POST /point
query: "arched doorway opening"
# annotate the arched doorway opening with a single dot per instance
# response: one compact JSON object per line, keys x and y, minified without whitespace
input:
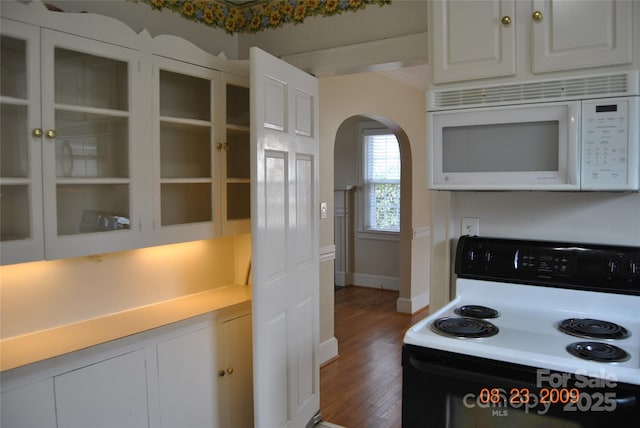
{"x":379,"y":260}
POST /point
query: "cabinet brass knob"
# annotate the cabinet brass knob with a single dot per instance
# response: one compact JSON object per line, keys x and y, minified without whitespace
{"x":225,"y":146}
{"x":218,"y":146}
{"x":537,"y":15}
{"x":37,"y":132}
{"x":230,"y":370}
{"x":51,"y":134}
{"x":221,"y":373}
{"x":506,"y":20}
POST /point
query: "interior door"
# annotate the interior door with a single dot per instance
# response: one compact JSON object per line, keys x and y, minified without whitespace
{"x":284,"y":228}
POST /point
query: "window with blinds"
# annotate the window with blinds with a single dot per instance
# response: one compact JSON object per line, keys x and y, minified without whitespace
{"x":381,"y":181}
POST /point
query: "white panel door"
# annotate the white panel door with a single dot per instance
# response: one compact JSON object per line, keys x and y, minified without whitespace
{"x":284,"y":227}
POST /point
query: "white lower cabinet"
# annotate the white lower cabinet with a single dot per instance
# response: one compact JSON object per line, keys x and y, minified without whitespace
{"x":187,"y":384}
{"x":111,"y":393}
{"x":192,"y":374}
{"x":29,"y":406}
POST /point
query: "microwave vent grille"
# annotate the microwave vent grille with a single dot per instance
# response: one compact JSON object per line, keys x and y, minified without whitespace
{"x":536,"y":91}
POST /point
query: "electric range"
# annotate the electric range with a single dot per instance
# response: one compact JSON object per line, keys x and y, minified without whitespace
{"x":539,"y":334}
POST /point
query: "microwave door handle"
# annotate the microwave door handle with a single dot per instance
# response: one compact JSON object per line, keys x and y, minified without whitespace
{"x":573,"y":154}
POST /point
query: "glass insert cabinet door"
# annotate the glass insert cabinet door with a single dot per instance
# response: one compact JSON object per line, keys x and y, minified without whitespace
{"x":236,"y":148}
{"x":185,"y":132}
{"x":21,"y":230}
{"x":88,"y":116}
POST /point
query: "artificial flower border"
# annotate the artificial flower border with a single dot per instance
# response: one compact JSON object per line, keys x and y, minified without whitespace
{"x":257,"y":15}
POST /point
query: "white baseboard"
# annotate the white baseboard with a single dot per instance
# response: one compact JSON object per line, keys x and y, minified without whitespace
{"x":328,"y":350}
{"x":410,"y":306}
{"x":376,"y":281}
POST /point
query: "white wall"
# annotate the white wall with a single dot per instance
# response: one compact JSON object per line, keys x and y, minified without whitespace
{"x":598,"y":217}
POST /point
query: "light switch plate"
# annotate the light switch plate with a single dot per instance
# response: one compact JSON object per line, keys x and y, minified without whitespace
{"x":323,"y":210}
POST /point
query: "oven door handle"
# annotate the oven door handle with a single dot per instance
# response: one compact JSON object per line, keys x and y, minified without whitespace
{"x":628,"y":401}
{"x":442,"y":370}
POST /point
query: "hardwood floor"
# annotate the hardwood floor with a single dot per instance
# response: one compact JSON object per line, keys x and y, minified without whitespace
{"x":362,"y":387}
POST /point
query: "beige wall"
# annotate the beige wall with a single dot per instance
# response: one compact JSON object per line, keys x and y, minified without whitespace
{"x":391,"y":102}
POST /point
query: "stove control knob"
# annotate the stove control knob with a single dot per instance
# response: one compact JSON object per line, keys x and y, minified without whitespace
{"x":612,"y":266}
{"x":488,"y":256}
{"x":472,"y":255}
{"x":633,"y":267}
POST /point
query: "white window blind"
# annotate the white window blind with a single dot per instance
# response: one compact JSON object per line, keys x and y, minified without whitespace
{"x":382,"y":181}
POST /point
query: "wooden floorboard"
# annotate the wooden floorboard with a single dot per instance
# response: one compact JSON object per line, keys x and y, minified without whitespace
{"x":362,"y":388}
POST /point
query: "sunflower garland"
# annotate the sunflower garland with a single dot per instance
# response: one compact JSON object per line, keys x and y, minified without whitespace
{"x":256,"y":15}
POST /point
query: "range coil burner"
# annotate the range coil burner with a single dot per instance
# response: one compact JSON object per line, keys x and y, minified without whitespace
{"x":476,"y":311}
{"x":464,"y":327}
{"x":598,"y":351}
{"x":593,"y":329}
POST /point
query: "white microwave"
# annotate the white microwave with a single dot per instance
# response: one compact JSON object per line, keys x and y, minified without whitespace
{"x":571,"y":145}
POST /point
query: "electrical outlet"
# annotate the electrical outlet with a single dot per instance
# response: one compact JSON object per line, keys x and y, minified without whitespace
{"x":470,"y":226}
{"x":323,"y":210}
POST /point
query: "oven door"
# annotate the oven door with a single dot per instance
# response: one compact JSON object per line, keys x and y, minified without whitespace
{"x":445,"y":390}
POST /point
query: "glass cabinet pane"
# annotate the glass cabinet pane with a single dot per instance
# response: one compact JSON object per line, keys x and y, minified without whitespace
{"x":15,"y":212}
{"x":13,"y":57}
{"x":184,"y":96}
{"x":91,"y":145}
{"x":184,"y":203}
{"x":87,"y":208}
{"x":238,"y":105}
{"x":91,"y":81}
{"x":185,"y":151}
{"x":14,"y":141}
{"x":238,"y":201}
{"x":238,"y":154}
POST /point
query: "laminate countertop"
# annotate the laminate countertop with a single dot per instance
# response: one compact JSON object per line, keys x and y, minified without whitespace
{"x":40,"y":345}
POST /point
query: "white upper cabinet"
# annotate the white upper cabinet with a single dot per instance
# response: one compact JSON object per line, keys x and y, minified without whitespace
{"x":68,"y":168}
{"x":579,"y":34}
{"x":472,"y":39}
{"x":113,"y":140}
{"x":482,"y":39}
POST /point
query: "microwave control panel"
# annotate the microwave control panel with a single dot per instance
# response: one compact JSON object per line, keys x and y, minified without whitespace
{"x":608,"y":141}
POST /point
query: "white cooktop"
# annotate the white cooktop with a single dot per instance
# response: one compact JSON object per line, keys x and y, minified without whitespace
{"x":528,"y":332}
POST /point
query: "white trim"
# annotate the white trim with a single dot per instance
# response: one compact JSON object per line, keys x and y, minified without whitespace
{"x":379,"y":235}
{"x":328,"y":350}
{"x":376,"y":281}
{"x":327,"y":253}
{"x":414,"y":304}
{"x":421,"y":232}
{"x":375,"y":55}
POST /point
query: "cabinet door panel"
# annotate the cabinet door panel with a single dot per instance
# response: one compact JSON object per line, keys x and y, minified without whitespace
{"x":236,"y":348}
{"x":187,"y":379}
{"x":111,"y":393}
{"x":185,"y":160}
{"x":580,"y":34}
{"x":21,"y":229}
{"x":469,"y":40}
{"x":93,"y":174}
{"x":29,"y":406}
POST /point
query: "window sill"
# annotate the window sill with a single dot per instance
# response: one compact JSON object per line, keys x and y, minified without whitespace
{"x":378,"y":235}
